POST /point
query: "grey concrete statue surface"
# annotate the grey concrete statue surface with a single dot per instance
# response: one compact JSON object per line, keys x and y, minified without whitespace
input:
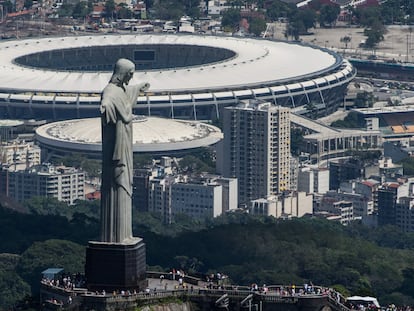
{"x":117,"y":100}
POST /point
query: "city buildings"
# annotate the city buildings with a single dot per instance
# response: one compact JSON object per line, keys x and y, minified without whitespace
{"x":313,"y":179}
{"x":256,"y":149}
{"x":162,"y":190}
{"x":295,"y":204}
{"x":200,"y":197}
{"x":20,"y":154}
{"x":63,"y":183}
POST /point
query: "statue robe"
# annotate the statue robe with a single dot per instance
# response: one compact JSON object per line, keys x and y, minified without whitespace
{"x":117,"y":162}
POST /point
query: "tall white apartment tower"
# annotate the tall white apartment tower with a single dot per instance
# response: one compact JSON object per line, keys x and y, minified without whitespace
{"x":256,"y":149}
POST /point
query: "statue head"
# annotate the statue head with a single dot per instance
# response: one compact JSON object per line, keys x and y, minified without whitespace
{"x":123,"y":71}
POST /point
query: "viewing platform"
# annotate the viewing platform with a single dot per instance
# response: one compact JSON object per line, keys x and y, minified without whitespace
{"x":165,"y":288}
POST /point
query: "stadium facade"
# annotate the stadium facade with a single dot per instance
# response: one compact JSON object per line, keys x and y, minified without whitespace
{"x":191,"y":77}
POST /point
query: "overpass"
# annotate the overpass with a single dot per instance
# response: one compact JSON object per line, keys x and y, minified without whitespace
{"x":324,"y":142}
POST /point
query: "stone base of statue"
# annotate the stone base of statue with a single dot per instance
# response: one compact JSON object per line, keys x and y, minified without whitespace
{"x":116,"y":266}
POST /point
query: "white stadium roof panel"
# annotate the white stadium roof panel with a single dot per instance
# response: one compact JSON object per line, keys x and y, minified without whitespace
{"x":255,"y":62}
{"x":242,"y":92}
{"x":150,"y":134}
{"x":203,"y":96}
{"x":263,"y":90}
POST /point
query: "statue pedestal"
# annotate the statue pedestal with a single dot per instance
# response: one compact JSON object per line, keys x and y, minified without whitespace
{"x":116,"y":266}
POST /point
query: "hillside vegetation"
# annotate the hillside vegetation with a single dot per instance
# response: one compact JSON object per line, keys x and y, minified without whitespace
{"x":355,"y":260}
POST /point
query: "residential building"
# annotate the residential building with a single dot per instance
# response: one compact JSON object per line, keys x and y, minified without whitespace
{"x":404,"y":214}
{"x":198,"y":201}
{"x":256,"y":149}
{"x":198,"y":197}
{"x":345,"y":210}
{"x":387,"y":196}
{"x":362,"y":206}
{"x":288,"y":205}
{"x":63,"y":183}
{"x":344,"y":170}
{"x":313,"y":179}
{"x":20,"y":154}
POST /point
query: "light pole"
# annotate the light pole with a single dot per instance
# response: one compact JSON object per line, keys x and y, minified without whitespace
{"x":406,"y":55}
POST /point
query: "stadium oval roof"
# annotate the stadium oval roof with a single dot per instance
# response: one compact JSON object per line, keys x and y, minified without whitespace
{"x":150,"y":134}
{"x":257,"y":62}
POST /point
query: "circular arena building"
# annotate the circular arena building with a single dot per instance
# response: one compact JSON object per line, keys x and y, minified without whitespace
{"x":150,"y":135}
{"x":191,"y":77}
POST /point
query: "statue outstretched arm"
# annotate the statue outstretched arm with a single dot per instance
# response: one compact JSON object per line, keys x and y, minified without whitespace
{"x":134,"y":90}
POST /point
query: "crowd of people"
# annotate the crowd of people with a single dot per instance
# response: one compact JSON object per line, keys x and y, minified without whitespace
{"x":176,"y":280}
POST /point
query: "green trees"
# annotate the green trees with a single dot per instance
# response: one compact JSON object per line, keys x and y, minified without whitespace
{"x":355,"y":259}
{"x":230,"y":19}
{"x":257,"y":26}
{"x":328,"y":15}
{"x":124,"y":11}
{"x":109,"y":8}
{"x":371,"y":19}
{"x":173,"y":10}
{"x":350,"y":121}
{"x":278,"y":9}
{"x":12,"y":287}
{"x":81,"y":9}
{"x":91,"y":166}
{"x":345,"y":40}
{"x":364,"y":100}
{"x":198,"y":161}
{"x":374,"y":34}
{"x":299,"y":22}
{"x":50,"y":254}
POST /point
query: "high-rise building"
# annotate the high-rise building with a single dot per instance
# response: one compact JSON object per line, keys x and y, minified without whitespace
{"x":256,"y":149}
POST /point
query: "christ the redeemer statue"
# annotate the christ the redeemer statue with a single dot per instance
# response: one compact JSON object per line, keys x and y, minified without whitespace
{"x":117,"y":161}
{"x":118,"y":260}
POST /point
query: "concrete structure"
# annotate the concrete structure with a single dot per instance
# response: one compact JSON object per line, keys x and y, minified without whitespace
{"x":345,"y":210}
{"x":389,"y":169}
{"x":394,"y":122}
{"x":404,"y":214}
{"x":215,"y":7}
{"x":199,"y":198}
{"x":313,"y":179}
{"x":150,"y":135}
{"x":325,"y":142}
{"x":20,"y":154}
{"x":296,"y":204}
{"x":343,"y":170}
{"x":386,"y":201}
{"x":199,"y":201}
{"x":256,"y":149}
{"x":362,"y":207}
{"x":63,"y":183}
{"x":191,"y":76}
{"x":8,"y":129}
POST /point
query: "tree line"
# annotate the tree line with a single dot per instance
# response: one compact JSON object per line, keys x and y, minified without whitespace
{"x":355,"y":260}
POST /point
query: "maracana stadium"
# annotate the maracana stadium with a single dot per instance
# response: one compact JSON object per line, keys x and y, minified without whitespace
{"x":192,"y":77}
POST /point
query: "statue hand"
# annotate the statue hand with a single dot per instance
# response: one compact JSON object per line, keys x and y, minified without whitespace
{"x":145,"y":87}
